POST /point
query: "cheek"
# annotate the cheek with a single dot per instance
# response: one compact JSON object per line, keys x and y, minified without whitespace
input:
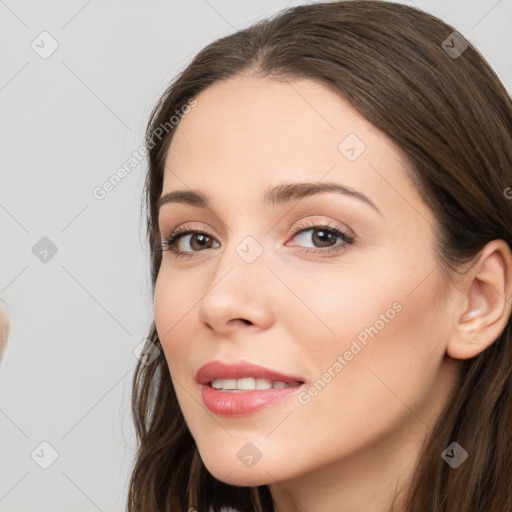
{"x":175,"y":295}
{"x":164,"y":306}
{"x":172,"y":304}
{"x":379,"y":365}
{"x":385,"y":326}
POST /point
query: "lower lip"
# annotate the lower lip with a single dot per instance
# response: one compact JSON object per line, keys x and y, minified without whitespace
{"x":227,"y":403}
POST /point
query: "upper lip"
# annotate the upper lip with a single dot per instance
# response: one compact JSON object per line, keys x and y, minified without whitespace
{"x":220,"y":370}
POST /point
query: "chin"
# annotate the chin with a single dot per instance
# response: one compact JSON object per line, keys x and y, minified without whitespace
{"x":241,"y":477}
{"x":233,"y":472}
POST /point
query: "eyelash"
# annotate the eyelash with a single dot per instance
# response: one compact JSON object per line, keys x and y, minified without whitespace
{"x":174,"y":237}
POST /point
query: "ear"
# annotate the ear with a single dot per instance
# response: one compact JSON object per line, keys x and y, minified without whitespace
{"x":486,"y":296}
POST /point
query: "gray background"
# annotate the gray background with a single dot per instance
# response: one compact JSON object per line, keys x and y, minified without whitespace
{"x":68,"y":122}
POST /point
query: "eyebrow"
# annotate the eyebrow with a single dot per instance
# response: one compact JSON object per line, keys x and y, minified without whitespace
{"x":275,"y":195}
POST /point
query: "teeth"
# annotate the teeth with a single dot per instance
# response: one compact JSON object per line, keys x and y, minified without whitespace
{"x":249,"y":384}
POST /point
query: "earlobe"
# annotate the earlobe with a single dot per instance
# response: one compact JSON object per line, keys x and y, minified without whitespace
{"x":486,"y":291}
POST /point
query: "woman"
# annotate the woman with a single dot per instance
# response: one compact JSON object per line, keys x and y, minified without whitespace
{"x":330,"y":236}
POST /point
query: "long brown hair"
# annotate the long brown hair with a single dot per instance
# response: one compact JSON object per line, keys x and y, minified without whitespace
{"x":452,"y":118}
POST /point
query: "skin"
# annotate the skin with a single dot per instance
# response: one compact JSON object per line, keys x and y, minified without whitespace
{"x":356,"y":442}
{"x":4,"y":329}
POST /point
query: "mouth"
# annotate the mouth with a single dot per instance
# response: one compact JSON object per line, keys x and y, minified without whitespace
{"x":250,"y":384}
{"x":244,"y":388}
{"x":243,"y":376}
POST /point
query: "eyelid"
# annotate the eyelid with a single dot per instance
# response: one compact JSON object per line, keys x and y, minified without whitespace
{"x":303,"y":225}
{"x":184,"y":228}
{"x":321,"y":224}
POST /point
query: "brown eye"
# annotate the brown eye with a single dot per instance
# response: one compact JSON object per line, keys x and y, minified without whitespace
{"x":323,"y":238}
{"x":319,"y":237}
{"x":198,"y":241}
{"x":177,"y":242}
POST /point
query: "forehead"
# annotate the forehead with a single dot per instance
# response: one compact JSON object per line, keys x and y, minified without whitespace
{"x":253,"y":115}
{"x":263,"y":131}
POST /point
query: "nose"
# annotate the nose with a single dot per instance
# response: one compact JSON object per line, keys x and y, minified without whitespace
{"x":239,"y":295}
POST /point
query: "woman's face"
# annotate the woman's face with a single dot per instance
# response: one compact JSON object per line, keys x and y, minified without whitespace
{"x":360,"y":321}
